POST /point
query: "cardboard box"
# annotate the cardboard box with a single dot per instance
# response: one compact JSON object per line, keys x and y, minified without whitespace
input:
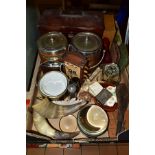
{"x":33,"y":136}
{"x":110,"y":30}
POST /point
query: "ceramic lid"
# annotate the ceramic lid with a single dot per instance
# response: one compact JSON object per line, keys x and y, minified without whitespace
{"x":86,"y":41}
{"x":52,"y":42}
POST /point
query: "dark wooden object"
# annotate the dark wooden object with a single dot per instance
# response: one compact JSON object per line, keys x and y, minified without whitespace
{"x":75,"y":65}
{"x":122,"y":93}
{"x":71,"y":22}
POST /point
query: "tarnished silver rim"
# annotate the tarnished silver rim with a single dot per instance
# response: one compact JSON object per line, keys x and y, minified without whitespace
{"x":50,"y":96}
{"x":84,"y":130}
{"x":88,"y":34}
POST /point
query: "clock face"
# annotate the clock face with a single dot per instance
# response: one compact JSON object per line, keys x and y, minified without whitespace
{"x":72,"y":70}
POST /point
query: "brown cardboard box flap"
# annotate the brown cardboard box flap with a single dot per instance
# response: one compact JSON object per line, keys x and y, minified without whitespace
{"x":109,"y":22}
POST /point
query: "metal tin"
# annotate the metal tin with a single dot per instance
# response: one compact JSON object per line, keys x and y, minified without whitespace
{"x":84,"y":125}
{"x":52,"y":46}
{"x":90,"y":45}
{"x":48,"y":80}
{"x":51,"y":66}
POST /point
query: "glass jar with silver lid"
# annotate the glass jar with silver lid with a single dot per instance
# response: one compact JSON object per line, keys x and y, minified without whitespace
{"x":90,"y":45}
{"x":52,"y":46}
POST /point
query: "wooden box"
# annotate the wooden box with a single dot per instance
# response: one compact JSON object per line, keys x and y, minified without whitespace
{"x":70,"y":23}
{"x":108,"y":136}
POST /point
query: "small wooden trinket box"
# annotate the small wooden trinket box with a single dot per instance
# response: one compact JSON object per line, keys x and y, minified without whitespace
{"x":75,"y":65}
